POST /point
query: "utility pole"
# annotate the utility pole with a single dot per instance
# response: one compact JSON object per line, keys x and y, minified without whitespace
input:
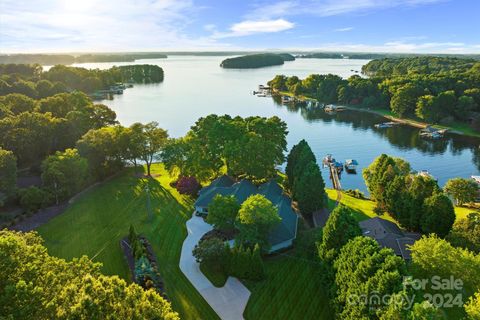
{"x":149,"y":206}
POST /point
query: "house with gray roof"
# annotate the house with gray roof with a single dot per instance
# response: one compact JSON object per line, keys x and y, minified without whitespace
{"x":283,"y":234}
{"x":389,"y":235}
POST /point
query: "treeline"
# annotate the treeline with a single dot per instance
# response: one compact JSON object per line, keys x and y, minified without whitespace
{"x":246,"y":147}
{"x":331,"y":55}
{"x":437,"y":90}
{"x":258,"y":60}
{"x":36,"y":285}
{"x":369,"y":56}
{"x":367,"y":281}
{"x":33,"y":82}
{"x":127,"y":57}
{"x":66,"y":59}
{"x":414,"y":200}
{"x":67,"y":140}
{"x":388,"y":67}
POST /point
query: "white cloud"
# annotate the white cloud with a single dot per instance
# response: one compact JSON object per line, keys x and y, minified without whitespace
{"x":343,"y":29}
{"x":338,"y":7}
{"x":326,"y":8}
{"x":398,"y":47}
{"x":249,"y":27}
{"x":89,"y":25}
{"x":278,"y":9}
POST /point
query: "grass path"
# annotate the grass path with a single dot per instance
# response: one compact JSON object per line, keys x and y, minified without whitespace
{"x":94,"y":225}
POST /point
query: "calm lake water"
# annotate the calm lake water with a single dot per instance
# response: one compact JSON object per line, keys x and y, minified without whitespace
{"x":196,"y":86}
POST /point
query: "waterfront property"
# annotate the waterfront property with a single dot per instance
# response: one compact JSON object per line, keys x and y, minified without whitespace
{"x":283,"y":234}
{"x":389,"y":235}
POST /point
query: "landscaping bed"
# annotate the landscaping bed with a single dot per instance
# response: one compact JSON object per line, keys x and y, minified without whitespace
{"x":142,"y":262}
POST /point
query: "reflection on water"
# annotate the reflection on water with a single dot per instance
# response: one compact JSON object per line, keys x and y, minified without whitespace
{"x":402,"y":137}
{"x":196,"y":86}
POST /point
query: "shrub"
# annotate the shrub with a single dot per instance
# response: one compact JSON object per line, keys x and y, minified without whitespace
{"x":245,"y":263}
{"x":355,"y":193}
{"x":33,"y":198}
{"x":144,"y":272}
{"x":211,"y":251}
{"x":188,"y":185}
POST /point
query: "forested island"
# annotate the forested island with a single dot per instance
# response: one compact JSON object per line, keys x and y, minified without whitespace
{"x":32,"y":81}
{"x":66,"y":59}
{"x":258,"y":60}
{"x":438,"y":90}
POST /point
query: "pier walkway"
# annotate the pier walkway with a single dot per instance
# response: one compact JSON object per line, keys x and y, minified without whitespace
{"x":320,"y":217}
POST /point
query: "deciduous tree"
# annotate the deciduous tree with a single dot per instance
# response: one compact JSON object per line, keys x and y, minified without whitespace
{"x":256,"y":218}
{"x":462,"y":190}
{"x":223,"y":211}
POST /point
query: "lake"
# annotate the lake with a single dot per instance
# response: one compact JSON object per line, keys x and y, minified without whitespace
{"x":196,"y":86}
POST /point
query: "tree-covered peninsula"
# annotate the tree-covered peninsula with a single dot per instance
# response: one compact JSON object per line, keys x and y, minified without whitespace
{"x":258,"y":60}
{"x":31,"y":80}
{"x":437,"y":90}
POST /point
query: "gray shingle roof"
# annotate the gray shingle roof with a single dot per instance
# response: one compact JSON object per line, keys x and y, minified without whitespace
{"x":389,"y":235}
{"x":284,"y":231}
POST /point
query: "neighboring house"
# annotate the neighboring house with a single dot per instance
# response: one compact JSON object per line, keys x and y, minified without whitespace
{"x":389,"y":235}
{"x":283,"y":234}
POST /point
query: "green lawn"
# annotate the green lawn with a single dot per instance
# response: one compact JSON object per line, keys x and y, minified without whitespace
{"x":95,"y":224}
{"x":363,"y":209}
{"x":292,"y":288}
{"x":462,"y":212}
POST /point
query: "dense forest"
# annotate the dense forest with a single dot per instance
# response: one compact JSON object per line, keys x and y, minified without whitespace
{"x":256,"y":61}
{"x":369,"y":56}
{"x":51,"y":129}
{"x":66,"y":59}
{"x":440,"y":90}
{"x":32,"y":81}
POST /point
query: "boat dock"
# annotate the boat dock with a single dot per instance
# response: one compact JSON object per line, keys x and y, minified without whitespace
{"x":335,"y":169}
{"x":432,"y":133}
{"x":334,"y":175}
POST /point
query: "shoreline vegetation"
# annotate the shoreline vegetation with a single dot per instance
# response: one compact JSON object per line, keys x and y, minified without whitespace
{"x":253,"y":61}
{"x":459,"y":128}
{"x":441,"y":92}
{"x":67,"y":59}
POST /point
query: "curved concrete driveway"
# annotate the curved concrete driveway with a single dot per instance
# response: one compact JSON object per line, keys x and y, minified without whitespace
{"x":228,"y":302}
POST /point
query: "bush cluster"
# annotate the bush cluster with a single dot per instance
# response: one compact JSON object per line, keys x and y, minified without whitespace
{"x":146,"y":270}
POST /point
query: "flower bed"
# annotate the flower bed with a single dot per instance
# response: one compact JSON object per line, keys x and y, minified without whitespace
{"x":142,"y":262}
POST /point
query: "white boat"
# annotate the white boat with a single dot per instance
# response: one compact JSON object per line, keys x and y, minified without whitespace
{"x":328,"y":159}
{"x":286,"y":99}
{"x":351,"y":164}
{"x":384,"y":125}
{"x":330,"y":108}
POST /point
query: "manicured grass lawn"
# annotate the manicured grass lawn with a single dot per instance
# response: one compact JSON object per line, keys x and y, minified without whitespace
{"x":292,"y":288}
{"x":363,"y":209}
{"x":217,"y":278}
{"x":95,"y":224}
{"x":462,"y":212}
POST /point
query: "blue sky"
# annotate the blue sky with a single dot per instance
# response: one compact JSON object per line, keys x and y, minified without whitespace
{"x":424,"y":26}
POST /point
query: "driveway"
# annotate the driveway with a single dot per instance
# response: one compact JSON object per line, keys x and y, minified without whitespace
{"x":228,"y":302}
